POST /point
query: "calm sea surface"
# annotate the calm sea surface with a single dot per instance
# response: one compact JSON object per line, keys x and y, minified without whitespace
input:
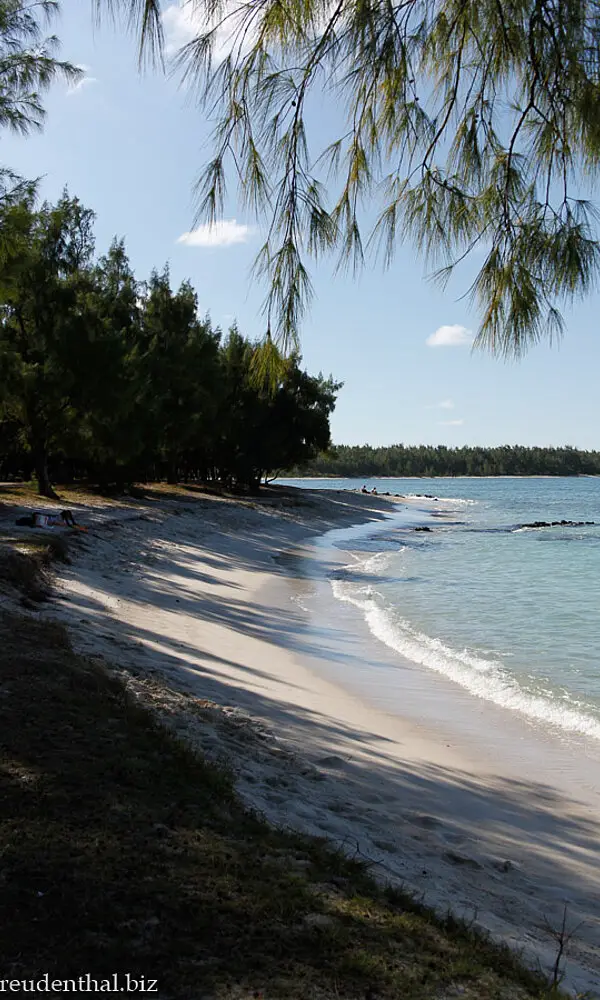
{"x":510,"y":614}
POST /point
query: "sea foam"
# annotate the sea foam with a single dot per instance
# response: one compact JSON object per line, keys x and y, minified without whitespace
{"x":484,"y":678}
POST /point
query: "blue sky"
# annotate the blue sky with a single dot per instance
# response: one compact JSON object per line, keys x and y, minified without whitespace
{"x":130,"y":146}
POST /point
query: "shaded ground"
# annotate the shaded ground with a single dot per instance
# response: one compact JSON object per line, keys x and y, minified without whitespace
{"x":121,"y":851}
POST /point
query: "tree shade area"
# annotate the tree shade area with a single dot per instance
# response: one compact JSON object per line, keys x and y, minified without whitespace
{"x":107,"y":378}
{"x":360,"y":461}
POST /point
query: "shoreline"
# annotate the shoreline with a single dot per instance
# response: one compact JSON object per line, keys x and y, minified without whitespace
{"x":202,"y":604}
{"x":344,"y":479}
{"x":580,"y":730}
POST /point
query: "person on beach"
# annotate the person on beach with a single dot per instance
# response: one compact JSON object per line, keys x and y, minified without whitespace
{"x":39,"y":520}
{"x":63,"y":520}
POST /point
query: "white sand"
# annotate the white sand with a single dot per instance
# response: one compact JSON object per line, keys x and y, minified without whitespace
{"x":195,"y":601}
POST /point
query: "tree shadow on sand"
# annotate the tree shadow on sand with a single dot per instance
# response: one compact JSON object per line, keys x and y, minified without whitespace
{"x":514,"y":850}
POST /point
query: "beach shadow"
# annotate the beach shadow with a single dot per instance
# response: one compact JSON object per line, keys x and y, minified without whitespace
{"x":514,"y":850}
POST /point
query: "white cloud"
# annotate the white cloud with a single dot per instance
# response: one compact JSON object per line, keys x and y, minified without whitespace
{"x":184,"y":21}
{"x":451,"y":423}
{"x":85,"y":81}
{"x":450,"y":336}
{"x":181,"y":24}
{"x":446,"y":404}
{"x":222,"y":234}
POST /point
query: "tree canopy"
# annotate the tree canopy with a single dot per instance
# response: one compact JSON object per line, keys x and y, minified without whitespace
{"x":469,"y":124}
{"x":365,"y":461}
{"x":109,"y":378}
{"x":28,"y":67}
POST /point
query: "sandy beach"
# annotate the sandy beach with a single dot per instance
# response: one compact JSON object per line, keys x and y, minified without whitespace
{"x":199,"y":602}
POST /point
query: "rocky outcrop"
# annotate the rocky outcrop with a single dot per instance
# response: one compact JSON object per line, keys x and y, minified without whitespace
{"x":556,"y":524}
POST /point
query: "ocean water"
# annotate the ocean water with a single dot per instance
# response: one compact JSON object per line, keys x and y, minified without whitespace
{"x":510,"y":614}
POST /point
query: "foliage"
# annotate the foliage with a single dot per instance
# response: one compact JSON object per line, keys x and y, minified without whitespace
{"x":28,"y":66}
{"x":106,"y":377}
{"x":271,"y":425}
{"x":400,"y":460}
{"x":178,"y":365}
{"x":47,"y":343}
{"x":470,"y":123}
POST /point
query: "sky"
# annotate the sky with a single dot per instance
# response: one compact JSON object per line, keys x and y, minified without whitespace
{"x":130,"y":145}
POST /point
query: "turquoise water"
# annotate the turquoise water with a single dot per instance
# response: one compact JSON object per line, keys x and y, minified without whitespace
{"x":510,"y":614}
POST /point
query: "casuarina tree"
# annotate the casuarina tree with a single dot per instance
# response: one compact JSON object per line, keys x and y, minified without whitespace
{"x":46,"y":325}
{"x":28,"y":66}
{"x":469,"y":124}
{"x":178,"y":369}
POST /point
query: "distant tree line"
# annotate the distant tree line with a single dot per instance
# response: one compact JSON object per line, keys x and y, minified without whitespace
{"x":109,"y":378}
{"x":363,"y":461}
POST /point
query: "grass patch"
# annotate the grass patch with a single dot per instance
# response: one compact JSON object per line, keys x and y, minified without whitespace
{"x":19,"y":493}
{"x":25,"y":561}
{"x":122,"y":851}
{"x":91,"y":494}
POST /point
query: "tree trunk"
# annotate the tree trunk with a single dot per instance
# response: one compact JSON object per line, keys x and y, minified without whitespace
{"x":40,"y":458}
{"x":172,"y":473}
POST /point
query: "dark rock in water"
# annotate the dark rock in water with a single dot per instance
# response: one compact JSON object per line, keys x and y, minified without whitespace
{"x":558,"y":524}
{"x":423,"y":529}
